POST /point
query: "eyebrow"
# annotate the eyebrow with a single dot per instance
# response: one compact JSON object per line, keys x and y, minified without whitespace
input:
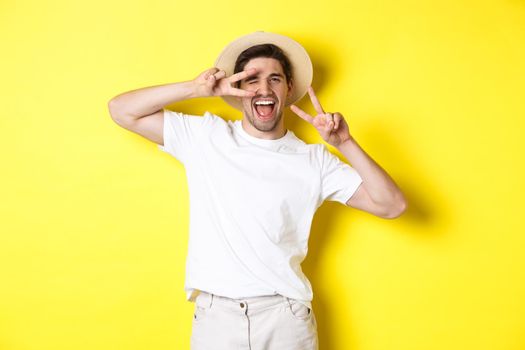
{"x":270,"y":76}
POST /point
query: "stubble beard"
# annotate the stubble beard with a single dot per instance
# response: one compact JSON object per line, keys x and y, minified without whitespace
{"x":263,"y":126}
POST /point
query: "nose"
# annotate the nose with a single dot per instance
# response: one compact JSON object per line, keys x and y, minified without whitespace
{"x":264,"y":88}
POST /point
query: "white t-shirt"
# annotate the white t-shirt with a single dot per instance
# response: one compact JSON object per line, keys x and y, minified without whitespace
{"x":252,"y":202}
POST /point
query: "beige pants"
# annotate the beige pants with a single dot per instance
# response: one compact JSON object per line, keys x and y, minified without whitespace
{"x":259,"y":323}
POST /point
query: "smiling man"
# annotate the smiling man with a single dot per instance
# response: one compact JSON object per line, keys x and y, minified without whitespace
{"x":254,"y":189}
{"x":263,"y":114}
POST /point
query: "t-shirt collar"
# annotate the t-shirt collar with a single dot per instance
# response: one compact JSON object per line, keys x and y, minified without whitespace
{"x":259,"y":141}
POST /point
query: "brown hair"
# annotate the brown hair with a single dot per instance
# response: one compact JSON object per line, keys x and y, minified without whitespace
{"x":263,"y":50}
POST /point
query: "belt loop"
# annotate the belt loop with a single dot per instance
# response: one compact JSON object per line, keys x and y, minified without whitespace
{"x":211,"y":299}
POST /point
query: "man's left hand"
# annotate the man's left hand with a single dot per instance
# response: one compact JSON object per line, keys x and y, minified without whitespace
{"x":331,"y":126}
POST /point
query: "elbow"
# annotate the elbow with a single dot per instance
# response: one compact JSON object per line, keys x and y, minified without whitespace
{"x":112,"y":108}
{"x":116,"y":113}
{"x":396,"y":210}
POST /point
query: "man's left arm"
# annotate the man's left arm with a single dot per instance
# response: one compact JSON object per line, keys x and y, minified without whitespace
{"x":378,"y":194}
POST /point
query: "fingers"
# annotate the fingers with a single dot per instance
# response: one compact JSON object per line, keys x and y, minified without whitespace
{"x":214,"y":77}
{"x":302,"y":113}
{"x":213,"y":74}
{"x":210,"y":72}
{"x":333,"y":120}
{"x":241,"y":92}
{"x":337,"y":119}
{"x":241,"y":75}
{"x":209,"y":77}
{"x":219,"y":75}
{"x":329,"y":118}
{"x":315,"y":101}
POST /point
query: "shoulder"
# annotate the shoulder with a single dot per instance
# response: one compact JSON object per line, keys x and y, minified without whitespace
{"x":207,"y":115}
{"x":326,"y":159}
{"x":320,"y":151}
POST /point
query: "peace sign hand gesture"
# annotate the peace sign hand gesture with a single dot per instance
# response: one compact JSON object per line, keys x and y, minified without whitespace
{"x":213,"y":82}
{"x":332,"y":126}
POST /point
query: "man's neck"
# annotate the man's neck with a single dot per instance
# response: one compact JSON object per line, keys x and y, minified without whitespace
{"x":275,"y":134}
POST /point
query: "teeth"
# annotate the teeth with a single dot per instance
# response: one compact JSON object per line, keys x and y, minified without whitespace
{"x":264,"y":103}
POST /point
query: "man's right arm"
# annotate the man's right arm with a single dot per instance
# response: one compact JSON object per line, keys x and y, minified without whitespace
{"x":141,"y":110}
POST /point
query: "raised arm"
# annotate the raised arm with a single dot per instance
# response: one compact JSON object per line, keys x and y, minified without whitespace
{"x":141,"y":110}
{"x":379,"y":194}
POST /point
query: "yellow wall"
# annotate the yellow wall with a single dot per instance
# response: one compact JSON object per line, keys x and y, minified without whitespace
{"x":94,"y":218}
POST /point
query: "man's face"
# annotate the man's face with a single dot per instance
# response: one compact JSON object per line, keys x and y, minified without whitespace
{"x":265,"y":109}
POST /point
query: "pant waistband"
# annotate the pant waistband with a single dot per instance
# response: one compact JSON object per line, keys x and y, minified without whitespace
{"x":245,"y":306}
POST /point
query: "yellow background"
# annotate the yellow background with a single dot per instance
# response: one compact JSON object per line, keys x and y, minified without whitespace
{"x":94,"y":218}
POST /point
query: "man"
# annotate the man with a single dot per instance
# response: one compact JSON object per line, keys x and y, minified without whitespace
{"x":254,"y":188}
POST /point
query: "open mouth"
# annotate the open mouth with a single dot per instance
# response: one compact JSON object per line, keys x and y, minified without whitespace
{"x":264,"y":108}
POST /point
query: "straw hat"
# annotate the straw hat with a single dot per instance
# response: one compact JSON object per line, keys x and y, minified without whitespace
{"x":302,"y":70}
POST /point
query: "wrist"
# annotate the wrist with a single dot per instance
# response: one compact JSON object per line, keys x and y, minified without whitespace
{"x":349,"y":142}
{"x":193,"y":89}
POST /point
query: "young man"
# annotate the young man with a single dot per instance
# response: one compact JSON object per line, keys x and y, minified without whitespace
{"x":254,"y":188}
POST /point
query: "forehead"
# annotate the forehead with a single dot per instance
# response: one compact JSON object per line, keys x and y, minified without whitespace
{"x":265,"y":65}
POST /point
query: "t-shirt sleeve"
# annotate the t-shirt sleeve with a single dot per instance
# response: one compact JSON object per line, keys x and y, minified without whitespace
{"x":339,"y":181}
{"x":180,"y":134}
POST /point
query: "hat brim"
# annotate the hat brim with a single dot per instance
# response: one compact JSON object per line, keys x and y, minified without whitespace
{"x":302,"y":70}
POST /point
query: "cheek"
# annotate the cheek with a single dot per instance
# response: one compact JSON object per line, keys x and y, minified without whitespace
{"x":247,"y":103}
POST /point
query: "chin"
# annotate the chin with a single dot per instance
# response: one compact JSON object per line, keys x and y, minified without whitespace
{"x":268,"y":125}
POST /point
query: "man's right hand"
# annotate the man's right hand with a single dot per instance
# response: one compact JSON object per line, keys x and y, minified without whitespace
{"x":213,"y":82}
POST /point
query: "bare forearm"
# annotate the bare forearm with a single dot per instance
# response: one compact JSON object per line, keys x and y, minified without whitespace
{"x":138,"y":103}
{"x":145,"y":101}
{"x":380,"y":186}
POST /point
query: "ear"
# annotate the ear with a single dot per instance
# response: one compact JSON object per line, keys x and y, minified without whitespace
{"x":290,"y":87}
